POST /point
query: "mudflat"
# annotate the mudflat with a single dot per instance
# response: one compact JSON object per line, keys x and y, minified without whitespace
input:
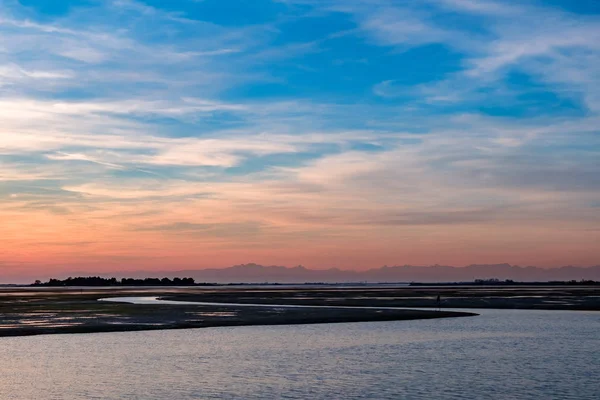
{"x":34,"y":311}
{"x":53,"y":311}
{"x":561,"y":297}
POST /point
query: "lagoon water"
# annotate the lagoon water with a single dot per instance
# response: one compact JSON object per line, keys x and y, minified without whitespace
{"x":502,"y":354}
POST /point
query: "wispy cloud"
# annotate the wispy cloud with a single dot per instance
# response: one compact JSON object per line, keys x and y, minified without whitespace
{"x":382,"y":128}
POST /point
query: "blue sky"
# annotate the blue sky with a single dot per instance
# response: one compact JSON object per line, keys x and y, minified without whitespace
{"x":298,"y":128}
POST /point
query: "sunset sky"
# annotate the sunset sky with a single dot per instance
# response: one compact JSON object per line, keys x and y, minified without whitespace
{"x":184,"y":134}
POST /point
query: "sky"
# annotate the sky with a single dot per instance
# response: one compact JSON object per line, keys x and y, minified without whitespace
{"x":165,"y":135}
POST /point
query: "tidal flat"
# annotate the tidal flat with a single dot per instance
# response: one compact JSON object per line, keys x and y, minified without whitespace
{"x":33,"y":311}
{"x":535,"y":297}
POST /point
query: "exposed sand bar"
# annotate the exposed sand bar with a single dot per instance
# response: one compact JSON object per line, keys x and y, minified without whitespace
{"x":33,"y":311}
{"x":79,"y":311}
{"x":585,"y":298}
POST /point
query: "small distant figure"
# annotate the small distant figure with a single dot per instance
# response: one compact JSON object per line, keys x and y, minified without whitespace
{"x":438,"y":302}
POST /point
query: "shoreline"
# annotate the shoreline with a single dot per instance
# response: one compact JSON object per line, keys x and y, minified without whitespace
{"x":580,"y":298}
{"x":69,"y":310}
{"x":73,"y":311}
{"x":410,"y":315}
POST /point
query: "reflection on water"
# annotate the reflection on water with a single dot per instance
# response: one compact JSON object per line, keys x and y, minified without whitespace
{"x":158,"y":300}
{"x":500,"y":355}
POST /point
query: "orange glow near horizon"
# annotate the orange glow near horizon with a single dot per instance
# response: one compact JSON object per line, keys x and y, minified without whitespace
{"x":180,"y":136}
{"x":37,"y":242}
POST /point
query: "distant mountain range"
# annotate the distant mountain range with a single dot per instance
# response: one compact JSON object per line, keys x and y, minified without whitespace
{"x":254,"y":273}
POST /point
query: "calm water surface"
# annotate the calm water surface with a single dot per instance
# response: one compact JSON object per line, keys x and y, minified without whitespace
{"x":502,"y":354}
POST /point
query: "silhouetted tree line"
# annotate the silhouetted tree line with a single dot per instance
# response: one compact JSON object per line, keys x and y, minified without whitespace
{"x":495,"y":281}
{"x":98,"y":281}
{"x":510,"y":282}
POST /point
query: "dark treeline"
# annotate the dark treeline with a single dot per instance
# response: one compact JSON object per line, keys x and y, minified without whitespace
{"x":98,"y":281}
{"x":510,"y":282}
